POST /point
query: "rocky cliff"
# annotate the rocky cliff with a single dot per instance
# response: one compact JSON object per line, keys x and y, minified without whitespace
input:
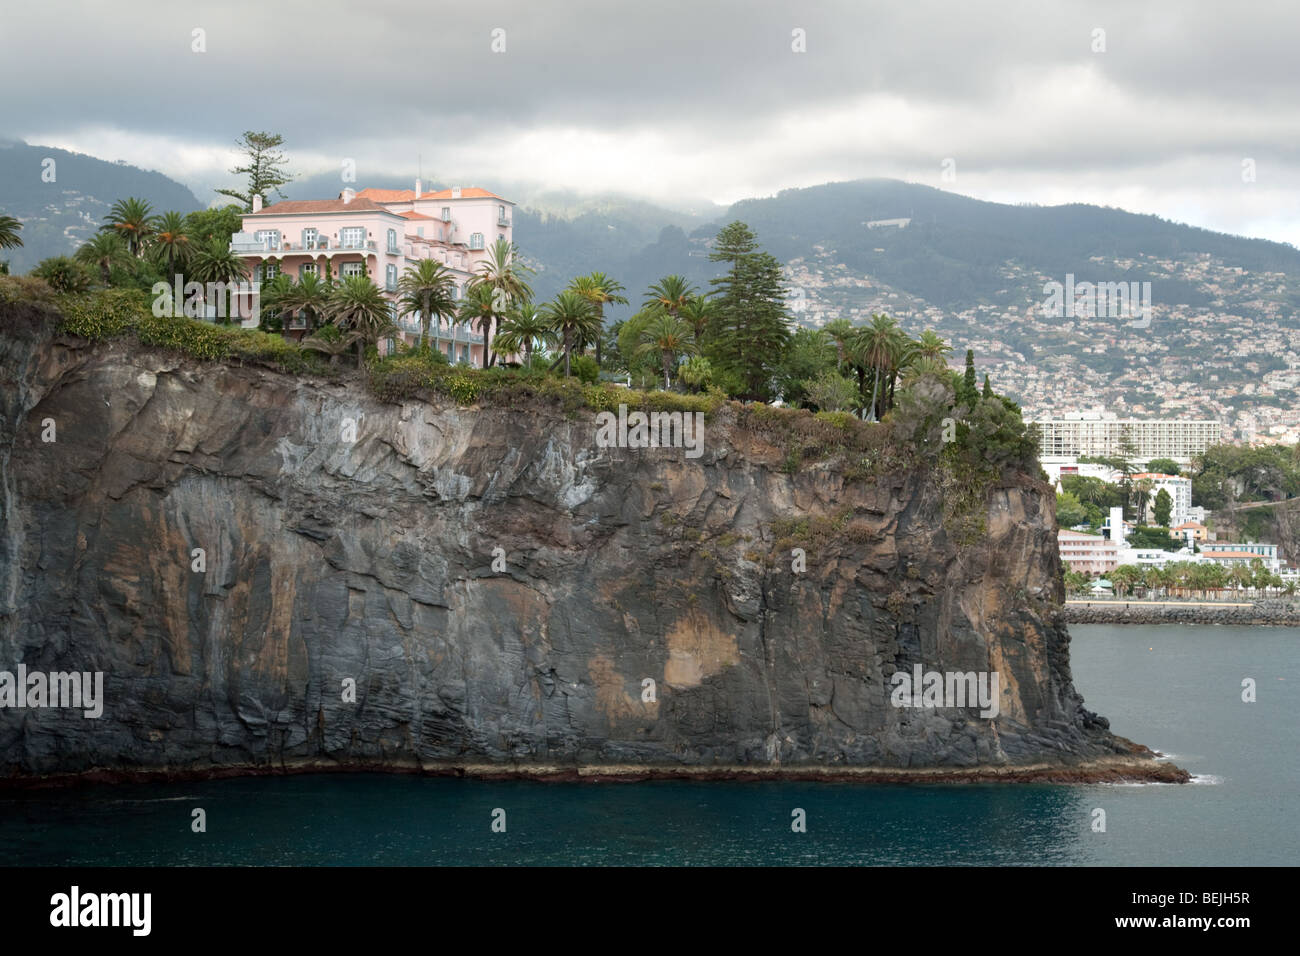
{"x":500,"y":590}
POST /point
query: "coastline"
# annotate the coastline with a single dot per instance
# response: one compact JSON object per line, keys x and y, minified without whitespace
{"x":1143,"y":766}
{"x":1268,"y":614}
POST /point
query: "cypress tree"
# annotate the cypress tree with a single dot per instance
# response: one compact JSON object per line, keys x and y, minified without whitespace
{"x":988,"y":390}
{"x":968,"y":391}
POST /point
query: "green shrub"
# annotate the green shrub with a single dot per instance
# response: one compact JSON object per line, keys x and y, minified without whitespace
{"x":105,"y":314}
{"x":586,"y":370}
{"x":26,"y":289}
{"x":64,"y":274}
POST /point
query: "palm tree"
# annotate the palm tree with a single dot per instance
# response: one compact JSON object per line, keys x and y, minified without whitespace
{"x":309,"y":297}
{"x":932,"y":346}
{"x":172,"y":245}
{"x":599,"y":289}
{"x":215,"y":263}
{"x":922,"y":366}
{"x":63,"y":274}
{"x":9,"y":229}
{"x":840,"y":332}
{"x":523,"y":327}
{"x":572,"y":318}
{"x":504,"y":275}
{"x":671,"y":293}
{"x":331,"y":341}
{"x":669,"y":336}
{"x":699,"y":312}
{"x":358,"y":305}
{"x":877,"y":348}
{"x":428,"y":289}
{"x":478,"y":310}
{"x":104,"y":251}
{"x":134,"y":221}
{"x":274,"y":294}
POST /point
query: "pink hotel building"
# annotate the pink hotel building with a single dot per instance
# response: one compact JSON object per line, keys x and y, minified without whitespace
{"x":379,"y":232}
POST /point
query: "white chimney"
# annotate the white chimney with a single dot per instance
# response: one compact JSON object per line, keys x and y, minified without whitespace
{"x":418,"y":190}
{"x":349,"y":195}
{"x":455,"y":192}
{"x":257,"y":203}
{"x":1117,"y":527}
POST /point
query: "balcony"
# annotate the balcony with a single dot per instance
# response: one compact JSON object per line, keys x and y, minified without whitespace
{"x":503,"y":221}
{"x":461,"y":336}
{"x":247,"y":246}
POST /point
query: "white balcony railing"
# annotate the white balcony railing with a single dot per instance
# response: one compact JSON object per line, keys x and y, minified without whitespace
{"x":314,"y":245}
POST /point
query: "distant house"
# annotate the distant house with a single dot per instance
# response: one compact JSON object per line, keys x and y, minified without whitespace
{"x":1087,"y":553}
{"x":1195,"y":529}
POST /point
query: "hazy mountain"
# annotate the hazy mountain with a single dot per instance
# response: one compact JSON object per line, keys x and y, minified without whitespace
{"x":954,"y":253}
{"x":57,"y":216}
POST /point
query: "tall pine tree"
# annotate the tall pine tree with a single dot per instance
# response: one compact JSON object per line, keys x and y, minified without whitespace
{"x":750,"y":330}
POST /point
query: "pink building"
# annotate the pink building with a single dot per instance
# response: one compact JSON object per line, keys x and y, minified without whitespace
{"x":379,"y":232}
{"x":1088,"y":553}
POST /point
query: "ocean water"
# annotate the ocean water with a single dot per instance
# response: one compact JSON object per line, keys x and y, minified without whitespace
{"x":1175,"y":688}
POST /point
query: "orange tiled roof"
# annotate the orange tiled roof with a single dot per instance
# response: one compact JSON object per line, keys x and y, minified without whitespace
{"x":469,"y":192}
{"x":387,"y":195}
{"x":320,"y":205}
{"x":416,"y":215}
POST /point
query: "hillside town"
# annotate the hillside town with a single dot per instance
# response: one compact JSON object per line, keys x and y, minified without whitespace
{"x":1233,"y":357}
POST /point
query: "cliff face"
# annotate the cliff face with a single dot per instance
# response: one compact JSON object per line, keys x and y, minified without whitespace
{"x":373,"y":561}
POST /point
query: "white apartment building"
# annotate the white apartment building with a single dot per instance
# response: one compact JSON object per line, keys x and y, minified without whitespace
{"x":1229,"y":553}
{"x":1099,"y":433}
{"x":1179,"y":489}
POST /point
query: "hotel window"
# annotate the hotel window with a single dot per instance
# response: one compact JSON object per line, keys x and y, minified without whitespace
{"x":270,"y":238}
{"x":446,"y":214}
{"x":353,"y":237}
{"x":392,"y":241}
{"x":309,"y":237}
{"x":392,"y":278}
{"x":419,"y":231}
{"x":308,"y":269}
{"x":476,"y":240}
{"x":349,"y":269}
{"x":270,"y":270}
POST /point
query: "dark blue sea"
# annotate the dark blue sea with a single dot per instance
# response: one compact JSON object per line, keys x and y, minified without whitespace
{"x":1175,"y":688}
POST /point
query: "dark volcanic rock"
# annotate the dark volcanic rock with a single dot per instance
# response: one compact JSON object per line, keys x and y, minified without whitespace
{"x":373,"y":561}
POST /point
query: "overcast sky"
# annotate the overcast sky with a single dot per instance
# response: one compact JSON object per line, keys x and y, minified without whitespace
{"x":697,"y":99}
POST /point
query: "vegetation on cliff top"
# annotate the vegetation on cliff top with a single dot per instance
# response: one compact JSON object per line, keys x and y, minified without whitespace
{"x":929,"y":413}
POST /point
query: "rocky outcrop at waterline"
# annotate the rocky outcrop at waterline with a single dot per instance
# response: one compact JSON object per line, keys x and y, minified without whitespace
{"x":278,"y":573}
